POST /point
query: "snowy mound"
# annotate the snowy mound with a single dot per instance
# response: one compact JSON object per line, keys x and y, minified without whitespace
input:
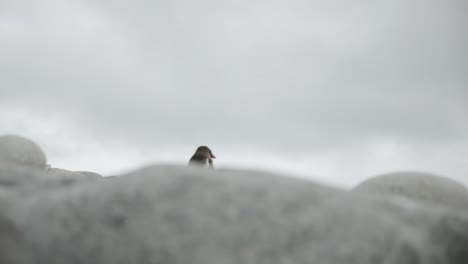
{"x":418,"y":186}
{"x":173,"y":215}
{"x":19,"y":151}
{"x":67,"y":173}
{"x":13,"y":247}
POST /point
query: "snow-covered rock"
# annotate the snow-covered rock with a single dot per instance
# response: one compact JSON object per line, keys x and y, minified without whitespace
{"x":423,"y":187}
{"x":89,"y":174}
{"x":67,"y":173}
{"x":21,"y":154}
{"x":171,"y":215}
{"x":20,"y":151}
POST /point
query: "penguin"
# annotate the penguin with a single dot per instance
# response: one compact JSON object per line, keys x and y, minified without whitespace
{"x":202,"y":157}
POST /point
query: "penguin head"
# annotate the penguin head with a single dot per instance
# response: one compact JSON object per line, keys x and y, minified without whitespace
{"x":205,"y":151}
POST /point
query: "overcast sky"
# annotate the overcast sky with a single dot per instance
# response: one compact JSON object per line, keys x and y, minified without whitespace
{"x":336,"y":91}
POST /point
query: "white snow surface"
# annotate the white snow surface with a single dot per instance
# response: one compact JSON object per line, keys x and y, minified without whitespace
{"x":177,"y":214}
{"x":21,"y":151}
{"x":163,"y":214}
{"x":423,"y":187}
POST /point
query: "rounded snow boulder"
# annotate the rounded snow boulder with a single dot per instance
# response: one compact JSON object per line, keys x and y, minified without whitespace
{"x":419,"y":186}
{"x":19,"y":151}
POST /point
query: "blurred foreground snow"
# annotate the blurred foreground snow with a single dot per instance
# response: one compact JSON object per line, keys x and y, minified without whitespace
{"x":170,"y":215}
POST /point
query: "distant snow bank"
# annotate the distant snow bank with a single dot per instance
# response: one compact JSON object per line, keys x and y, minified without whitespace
{"x":22,"y":152}
{"x":170,"y":214}
{"x":423,"y":187}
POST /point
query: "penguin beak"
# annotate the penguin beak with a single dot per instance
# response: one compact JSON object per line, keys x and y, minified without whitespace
{"x":212,"y":156}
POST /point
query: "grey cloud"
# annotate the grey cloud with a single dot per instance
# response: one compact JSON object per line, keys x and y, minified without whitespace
{"x":277,"y":76}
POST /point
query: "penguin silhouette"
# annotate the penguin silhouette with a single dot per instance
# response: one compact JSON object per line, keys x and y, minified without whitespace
{"x":202,"y":157}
